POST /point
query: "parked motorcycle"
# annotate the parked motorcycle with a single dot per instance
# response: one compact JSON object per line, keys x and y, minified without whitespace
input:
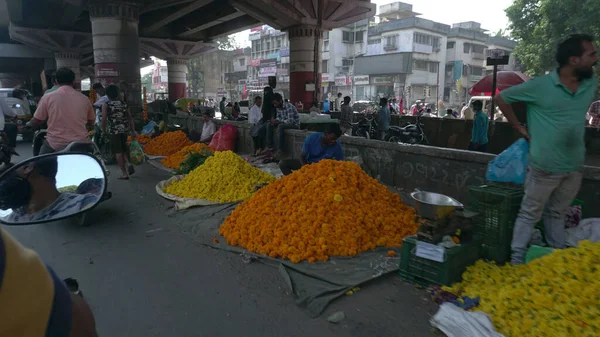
{"x":408,"y":134}
{"x":366,"y":127}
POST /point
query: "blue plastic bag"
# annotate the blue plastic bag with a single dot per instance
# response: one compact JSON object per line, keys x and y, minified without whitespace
{"x":149,"y":128}
{"x":510,"y":166}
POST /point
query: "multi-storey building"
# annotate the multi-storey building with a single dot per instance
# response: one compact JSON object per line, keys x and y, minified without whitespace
{"x":269,"y":56}
{"x":508,"y":46}
{"x":404,"y":57}
{"x":236,"y":80}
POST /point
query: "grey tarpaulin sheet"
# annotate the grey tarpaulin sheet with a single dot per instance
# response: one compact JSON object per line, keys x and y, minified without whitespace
{"x":313,"y":286}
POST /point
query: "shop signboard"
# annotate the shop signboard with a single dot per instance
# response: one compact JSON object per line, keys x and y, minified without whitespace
{"x":274,"y":56}
{"x":221,"y":92}
{"x":284,"y":52}
{"x":107,"y":70}
{"x":325,"y":77}
{"x":256,"y":29}
{"x":254,"y":36}
{"x":255,"y":62}
{"x":361,"y":80}
{"x":268,"y":68}
{"x":382,"y":80}
{"x":341,"y":81}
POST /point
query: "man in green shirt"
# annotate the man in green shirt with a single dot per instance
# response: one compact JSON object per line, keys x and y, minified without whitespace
{"x":556,"y":108}
{"x":479,"y":135}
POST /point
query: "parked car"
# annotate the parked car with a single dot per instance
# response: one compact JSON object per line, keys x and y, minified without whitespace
{"x":24,"y":105}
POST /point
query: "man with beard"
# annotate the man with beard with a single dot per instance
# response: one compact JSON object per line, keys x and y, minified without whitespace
{"x":556,"y":107}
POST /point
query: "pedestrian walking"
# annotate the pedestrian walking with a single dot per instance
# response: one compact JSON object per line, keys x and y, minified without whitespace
{"x":556,"y":107}
{"x":117,"y":122}
{"x":479,"y":135}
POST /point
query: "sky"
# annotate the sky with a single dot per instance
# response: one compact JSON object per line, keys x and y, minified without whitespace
{"x":489,"y":13}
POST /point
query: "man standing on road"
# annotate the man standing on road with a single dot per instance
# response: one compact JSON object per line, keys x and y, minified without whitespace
{"x":384,"y":118}
{"x":479,"y":135}
{"x":222,"y":105}
{"x":556,"y":107}
{"x":346,"y":115}
{"x":68,"y":113}
{"x":338,"y":102}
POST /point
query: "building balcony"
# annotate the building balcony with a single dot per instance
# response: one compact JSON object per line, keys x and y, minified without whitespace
{"x":478,"y":56}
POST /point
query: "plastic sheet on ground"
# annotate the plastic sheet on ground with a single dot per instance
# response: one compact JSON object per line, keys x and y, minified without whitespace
{"x":180,"y":203}
{"x":155,"y":157}
{"x":455,"y":322}
{"x":587,"y":229}
{"x":159,"y":165}
{"x":314,"y":285}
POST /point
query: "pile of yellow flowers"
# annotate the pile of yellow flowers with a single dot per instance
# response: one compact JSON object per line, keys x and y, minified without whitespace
{"x":555,"y":295}
{"x":224,"y":177}
{"x":167,"y":144}
{"x":174,"y":161}
{"x":332,"y":208}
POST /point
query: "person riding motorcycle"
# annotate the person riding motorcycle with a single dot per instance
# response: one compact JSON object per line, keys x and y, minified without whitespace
{"x":68,"y":113}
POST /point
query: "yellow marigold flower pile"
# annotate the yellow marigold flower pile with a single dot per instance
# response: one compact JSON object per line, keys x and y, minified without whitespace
{"x":174,"y":161}
{"x":555,"y":295}
{"x":224,"y":177}
{"x":332,"y":208}
{"x":141,"y":139}
{"x":167,"y":144}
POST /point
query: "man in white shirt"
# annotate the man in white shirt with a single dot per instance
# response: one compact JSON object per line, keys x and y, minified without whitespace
{"x":208,"y":129}
{"x":338,"y":102}
{"x":258,"y":131}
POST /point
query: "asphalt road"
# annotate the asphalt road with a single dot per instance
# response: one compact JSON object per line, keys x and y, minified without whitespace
{"x":143,"y":277}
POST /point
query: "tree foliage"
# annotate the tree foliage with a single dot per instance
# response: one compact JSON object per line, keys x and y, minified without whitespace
{"x":540,"y":25}
{"x":226,"y":43}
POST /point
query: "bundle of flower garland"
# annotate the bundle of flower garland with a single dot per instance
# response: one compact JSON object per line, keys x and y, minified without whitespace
{"x":331,"y":208}
{"x":224,"y":177}
{"x":167,"y":144}
{"x":555,"y":295}
{"x":174,"y":161}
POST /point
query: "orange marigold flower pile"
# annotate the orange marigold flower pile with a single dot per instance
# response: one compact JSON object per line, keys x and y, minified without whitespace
{"x":332,"y":208}
{"x":174,"y":161}
{"x":167,"y":144}
{"x":141,"y":139}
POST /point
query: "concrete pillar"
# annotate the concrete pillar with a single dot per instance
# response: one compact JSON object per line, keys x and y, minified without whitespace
{"x":71,"y":61}
{"x":302,"y":63}
{"x":117,"y":46}
{"x":177,"y":69}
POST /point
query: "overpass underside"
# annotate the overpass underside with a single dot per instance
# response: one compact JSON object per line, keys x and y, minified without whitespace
{"x":111,"y":36}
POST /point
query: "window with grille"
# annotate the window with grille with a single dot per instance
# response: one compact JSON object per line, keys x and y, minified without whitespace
{"x":421,"y":65}
{"x":348,"y":37}
{"x":324,"y":66}
{"x":450,"y":45}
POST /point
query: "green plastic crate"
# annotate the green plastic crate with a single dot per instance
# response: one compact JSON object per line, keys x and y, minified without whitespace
{"x":498,"y":207}
{"x":426,"y":272}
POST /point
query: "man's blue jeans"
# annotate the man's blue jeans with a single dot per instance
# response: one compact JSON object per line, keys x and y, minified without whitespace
{"x":548,"y":195}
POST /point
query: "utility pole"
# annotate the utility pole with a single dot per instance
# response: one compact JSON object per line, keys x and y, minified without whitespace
{"x":353,"y":58}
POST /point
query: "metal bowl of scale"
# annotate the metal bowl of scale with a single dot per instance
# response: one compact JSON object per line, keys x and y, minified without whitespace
{"x":434,"y":206}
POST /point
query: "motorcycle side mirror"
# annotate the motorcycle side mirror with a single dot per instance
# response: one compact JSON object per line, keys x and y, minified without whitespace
{"x":50,"y":187}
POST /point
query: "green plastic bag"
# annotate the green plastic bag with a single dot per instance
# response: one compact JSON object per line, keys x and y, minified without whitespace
{"x":136,"y":153}
{"x":535,"y":252}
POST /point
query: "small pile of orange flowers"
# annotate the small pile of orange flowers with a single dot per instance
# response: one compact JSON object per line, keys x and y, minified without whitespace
{"x":332,"y":208}
{"x":167,"y":144}
{"x":174,"y":161}
{"x":141,"y":139}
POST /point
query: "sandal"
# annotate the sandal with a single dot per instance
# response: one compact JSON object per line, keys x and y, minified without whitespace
{"x":123,"y":178}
